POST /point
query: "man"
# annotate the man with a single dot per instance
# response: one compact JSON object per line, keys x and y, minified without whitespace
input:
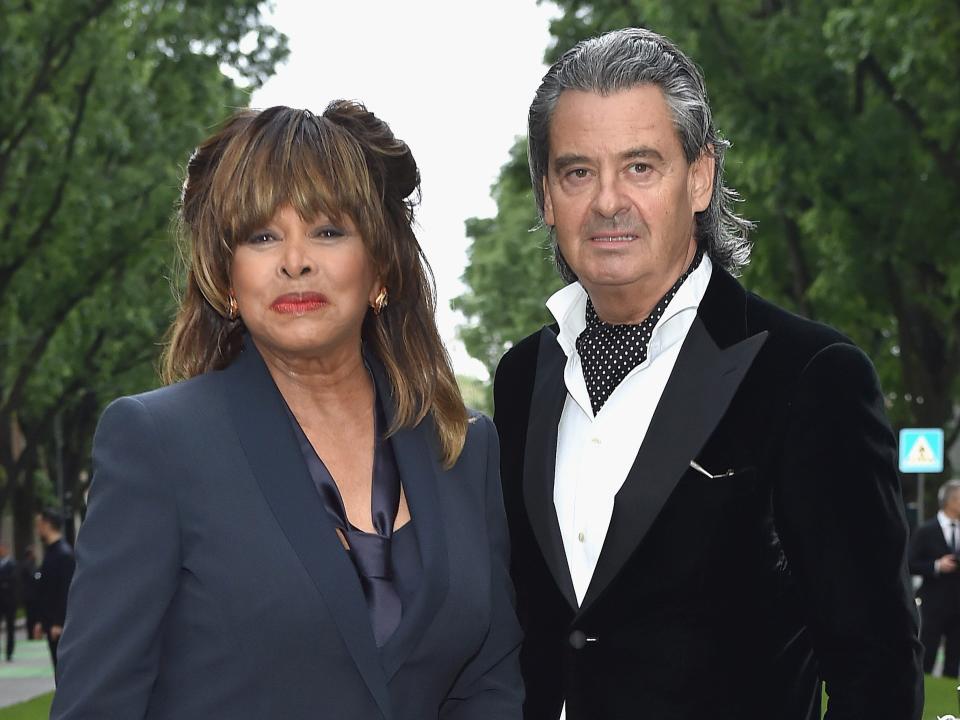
{"x":933,"y":555}
{"x":28,"y":589}
{"x":8,"y":596}
{"x":705,"y":514}
{"x":53,"y":579}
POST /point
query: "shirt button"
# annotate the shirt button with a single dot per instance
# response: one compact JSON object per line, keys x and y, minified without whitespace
{"x":595,"y":441}
{"x":580,"y":537}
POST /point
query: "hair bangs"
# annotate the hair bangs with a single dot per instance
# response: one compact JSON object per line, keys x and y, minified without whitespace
{"x":295,"y":158}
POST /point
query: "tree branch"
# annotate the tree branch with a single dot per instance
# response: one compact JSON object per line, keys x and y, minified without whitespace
{"x":56,"y":54}
{"x":40,"y":232}
{"x":948,"y":164}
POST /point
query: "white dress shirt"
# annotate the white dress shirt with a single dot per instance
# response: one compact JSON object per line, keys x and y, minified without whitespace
{"x":946,"y":525}
{"x":594,"y":454}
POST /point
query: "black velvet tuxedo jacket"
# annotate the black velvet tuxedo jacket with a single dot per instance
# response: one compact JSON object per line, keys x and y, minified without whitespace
{"x":729,"y":598}
{"x":211,"y":584}
{"x":939,"y":593}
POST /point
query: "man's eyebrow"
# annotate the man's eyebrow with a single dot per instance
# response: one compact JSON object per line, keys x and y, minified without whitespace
{"x":641,"y":152}
{"x":564,"y":161}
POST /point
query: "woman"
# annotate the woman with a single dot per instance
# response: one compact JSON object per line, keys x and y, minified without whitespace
{"x":310,"y":526}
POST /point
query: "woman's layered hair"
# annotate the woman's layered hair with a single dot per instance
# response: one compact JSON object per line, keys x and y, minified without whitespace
{"x":343,"y":162}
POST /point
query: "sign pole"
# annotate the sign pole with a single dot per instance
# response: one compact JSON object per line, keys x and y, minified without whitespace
{"x":921,"y":477}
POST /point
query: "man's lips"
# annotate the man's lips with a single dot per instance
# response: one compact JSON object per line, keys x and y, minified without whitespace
{"x":607,"y":237}
{"x":298,"y":303}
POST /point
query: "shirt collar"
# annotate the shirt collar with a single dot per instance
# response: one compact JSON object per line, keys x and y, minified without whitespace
{"x":569,"y":304}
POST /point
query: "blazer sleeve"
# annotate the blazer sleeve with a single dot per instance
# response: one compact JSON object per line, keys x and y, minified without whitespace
{"x":128,"y":560}
{"x":839,"y":513}
{"x":490,"y":686}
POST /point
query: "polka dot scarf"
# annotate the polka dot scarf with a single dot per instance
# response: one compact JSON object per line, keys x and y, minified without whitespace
{"x":609,"y":352}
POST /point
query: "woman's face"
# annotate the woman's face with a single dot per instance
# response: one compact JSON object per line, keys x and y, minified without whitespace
{"x":303,"y":288}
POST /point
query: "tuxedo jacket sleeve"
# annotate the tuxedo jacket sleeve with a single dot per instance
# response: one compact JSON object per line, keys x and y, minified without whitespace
{"x":839,"y":516}
{"x":211,"y":583}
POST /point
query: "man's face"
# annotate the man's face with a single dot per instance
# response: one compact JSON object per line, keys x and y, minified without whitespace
{"x":952,"y":506}
{"x":619,"y":191}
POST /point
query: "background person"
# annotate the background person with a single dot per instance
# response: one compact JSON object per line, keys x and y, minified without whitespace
{"x":8,"y":596}
{"x":310,"y":525}
{"x":28,"y":589}
{"x":933,"y":555}
{"x":52,"y":579}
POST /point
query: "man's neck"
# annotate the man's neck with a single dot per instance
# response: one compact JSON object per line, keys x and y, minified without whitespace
{"x":631,"y":304}
{"x":52,"y":538}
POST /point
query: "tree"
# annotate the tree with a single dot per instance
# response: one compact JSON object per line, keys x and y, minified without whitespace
{"x":845,"y":118}
{"x":105,"y":100}
{"x":510,"y":270}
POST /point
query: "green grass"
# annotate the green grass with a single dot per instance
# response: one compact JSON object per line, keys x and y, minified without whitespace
{"x":36,"y":709}
{"x":941,"y":699}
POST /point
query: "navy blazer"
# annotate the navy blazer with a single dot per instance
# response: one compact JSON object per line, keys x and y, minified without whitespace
{"x":211,"y":584}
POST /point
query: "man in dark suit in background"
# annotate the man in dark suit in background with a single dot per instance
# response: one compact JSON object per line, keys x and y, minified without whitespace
{"x":8,"y":595}
{"x":933,"y":555}
{"x":53,"y":579}
{"x":705,"y":513}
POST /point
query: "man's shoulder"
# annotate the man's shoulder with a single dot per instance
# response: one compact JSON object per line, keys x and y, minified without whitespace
{"x":521,"y":358}
{"x":786,"y":327}
{"x":797,"y":345}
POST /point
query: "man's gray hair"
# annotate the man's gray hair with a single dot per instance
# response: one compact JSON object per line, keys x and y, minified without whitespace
{"x":946,"y":490}
{"x":621,"y":60}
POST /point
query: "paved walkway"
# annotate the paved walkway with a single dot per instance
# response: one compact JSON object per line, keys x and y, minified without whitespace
{"x":29,"y":674}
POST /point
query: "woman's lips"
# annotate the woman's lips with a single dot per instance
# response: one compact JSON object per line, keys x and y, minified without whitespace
{"x":298,"y":303}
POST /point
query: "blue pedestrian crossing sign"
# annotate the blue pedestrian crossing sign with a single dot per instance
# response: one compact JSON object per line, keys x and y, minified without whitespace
{"x":921,"y":450}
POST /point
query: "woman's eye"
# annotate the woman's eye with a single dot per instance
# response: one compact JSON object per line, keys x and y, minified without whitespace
{"x":327,"y":232}
{"x":259,"y":238}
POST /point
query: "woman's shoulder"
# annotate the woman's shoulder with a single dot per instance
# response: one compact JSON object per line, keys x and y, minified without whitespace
{"x":181,"y":404}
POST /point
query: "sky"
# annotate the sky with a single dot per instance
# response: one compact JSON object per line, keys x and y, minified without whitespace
{"x":453,"y":80}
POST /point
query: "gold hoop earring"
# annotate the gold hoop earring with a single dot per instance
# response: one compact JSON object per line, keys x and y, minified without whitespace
{"x":233,"y":310}
{"x":380,"y":302}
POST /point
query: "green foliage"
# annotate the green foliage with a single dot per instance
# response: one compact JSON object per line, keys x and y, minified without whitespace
{"x":845,"y":118}
{"x":510,"y":269}
{"x":105,"y":100}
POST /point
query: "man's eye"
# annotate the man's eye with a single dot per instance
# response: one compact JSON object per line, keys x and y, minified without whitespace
{"x":639,"y":168}
{"x":578,"y":173}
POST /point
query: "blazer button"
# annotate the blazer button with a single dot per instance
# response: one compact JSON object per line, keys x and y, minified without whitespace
{"x":577,"y":640}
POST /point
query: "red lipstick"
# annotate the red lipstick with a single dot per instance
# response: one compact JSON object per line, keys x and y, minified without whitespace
{"x":298,"y":303}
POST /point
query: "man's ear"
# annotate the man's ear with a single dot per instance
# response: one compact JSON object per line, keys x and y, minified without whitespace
{"x":548,"y":217}
{"x":701,"y":179}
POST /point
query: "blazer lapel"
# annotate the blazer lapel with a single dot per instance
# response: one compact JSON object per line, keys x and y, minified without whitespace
{"x":416,"y":454}
{"x":698,"y":393}
{"x":275,"y":459}
{"x":546,"y":406}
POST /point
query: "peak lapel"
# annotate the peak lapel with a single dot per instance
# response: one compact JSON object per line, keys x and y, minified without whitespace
{"x":274,"y":457}
{"x":698,"y":393}
{"x":416,"y":456}
{"x":546,"y":406}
